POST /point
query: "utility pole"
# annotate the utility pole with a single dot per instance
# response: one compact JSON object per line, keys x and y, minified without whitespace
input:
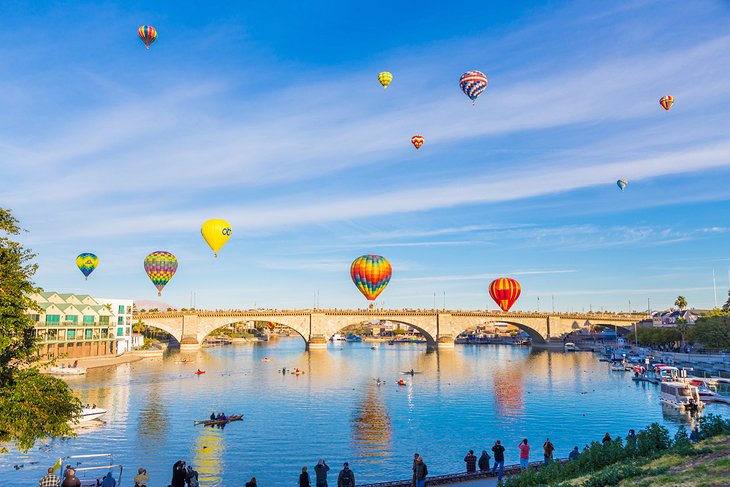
{"x":629,"y":305}
{"x":444,"y":300}
{"x":538,"y":304}
{"x":714,"y":286}
{"x":553,"y":299}
{"x":434,"y":300}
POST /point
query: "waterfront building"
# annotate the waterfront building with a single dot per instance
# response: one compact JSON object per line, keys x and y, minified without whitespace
{"x":122,"y":310}
{"x":671,"y":317}
{"x":75,"y":325}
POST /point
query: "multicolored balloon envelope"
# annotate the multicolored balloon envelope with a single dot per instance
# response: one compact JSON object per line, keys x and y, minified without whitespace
{"x":666,"y":102}
{"x":385,"y":78}
{"x":216,"y":232}
{"x":371,"y":273}
{"x":417,"y":141}
{"x":86,"y":263}
{"x":504,"y":291}
{"x":622,"y":183}
{"x":148,"y":34}
{"x":473,"y":84}
{"x":160,"y":266}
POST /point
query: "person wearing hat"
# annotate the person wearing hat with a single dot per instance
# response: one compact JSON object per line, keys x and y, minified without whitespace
{"x":320,"y":473}
{"x":346,"y":478}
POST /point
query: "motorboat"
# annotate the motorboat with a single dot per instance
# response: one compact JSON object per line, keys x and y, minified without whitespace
{"x":55,"y":370}
{"x":338,"y":337}
{"x":570,"y":347}
{"x":217,"y":422}
{"x":91,"y":469}
{"x":617,"y":367}
{"x":681,"y":395}
{"x":708,"y":395}
{"x":353,"y":338}
{"x":91,"y":414}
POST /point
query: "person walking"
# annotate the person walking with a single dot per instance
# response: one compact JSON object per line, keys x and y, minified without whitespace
{"x":415,"y":461}
{"x":71,"y":480}
{"x":524,"y":454}
{"x":573,"y":455}
{"x":304,"y":478}
{"x":484,"y":461}
{"x":50,"y":479}
{"x":140,"y":480}
{"x":421,"y":472}
{"x":548,"y":449}
{"x":320,"y":473}
{"x":471,"y":462}
{"x":498,"y":466}
{"x":346,"y":477}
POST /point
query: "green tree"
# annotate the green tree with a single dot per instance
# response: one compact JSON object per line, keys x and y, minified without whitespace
{"x":32,"y":405}
{"x":726,"y":306}
{"x":681,"y":303}
{"x":713,"y":332}
{"x":683,"y":329}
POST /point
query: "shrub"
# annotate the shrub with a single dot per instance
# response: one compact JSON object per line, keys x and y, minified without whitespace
{"x":682,"y":443}
{"x":713,"y":425}
{"x":652,"y":440}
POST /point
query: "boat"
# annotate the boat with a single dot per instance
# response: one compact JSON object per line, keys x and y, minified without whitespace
{"x":199,"y":372}
{"x":55,"y":370}
{"x":411,"y":372}
{"x":91,"y":414}
{"x":185,"y":361}
{"x":402,"y":382}
{"x":215,"y":422}
{"x":91,"y":469}
{"x":266,"y":359}
{"x":337,"y":337}
{"x":405,"y":340}
{"x":353,"y":338}
{"x":570,"y":347}
{"x":681,"y":395}
{"x":617,"y":367}
{"x":707,"y":395}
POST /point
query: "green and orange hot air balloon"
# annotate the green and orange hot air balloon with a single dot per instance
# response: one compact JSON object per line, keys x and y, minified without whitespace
{"x":505,"y":291}
{"x":371,"y":273}
{"x":160,"y":266}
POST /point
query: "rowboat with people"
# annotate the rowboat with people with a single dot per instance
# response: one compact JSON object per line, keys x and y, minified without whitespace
{"x":215,"y":422}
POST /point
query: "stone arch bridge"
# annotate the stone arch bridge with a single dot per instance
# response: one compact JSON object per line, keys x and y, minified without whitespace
{"x":440,"y":328}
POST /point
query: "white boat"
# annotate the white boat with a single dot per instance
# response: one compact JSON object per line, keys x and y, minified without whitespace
{"x":681,"y":395}
{"x":91,"y":469}
{"x":90,"y":414}
{"x":708,"y":395}
{"x":570,"y":347}
{"x":55,"y":370}
{"x":338,"y":338}
{"x":618,"y":367}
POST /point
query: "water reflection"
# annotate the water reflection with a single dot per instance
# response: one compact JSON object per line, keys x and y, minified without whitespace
{"x":208,"y":458}
{"x":371,"y":426}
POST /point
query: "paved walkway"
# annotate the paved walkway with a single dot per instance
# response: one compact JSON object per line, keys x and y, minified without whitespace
{"x":93,"y":362}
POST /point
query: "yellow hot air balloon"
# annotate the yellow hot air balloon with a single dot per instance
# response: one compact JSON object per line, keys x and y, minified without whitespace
{"x":216,"y":232}
{"x":385,"y":78}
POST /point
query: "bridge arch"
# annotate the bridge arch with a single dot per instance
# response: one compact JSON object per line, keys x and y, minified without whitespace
{"x":430,"y":340}
{"x":207,"y":330}
{"x":170,"y":329}
{"x":535,"y":335}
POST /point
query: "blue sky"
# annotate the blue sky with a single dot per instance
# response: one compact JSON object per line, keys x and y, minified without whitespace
{"x":269,"y":115}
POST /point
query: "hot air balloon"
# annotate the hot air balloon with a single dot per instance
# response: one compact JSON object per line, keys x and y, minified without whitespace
{"x":86,"y":263}
{"x":473,"y":84}
{"x":417,"y":141}
{"x":160,"y":267}
{"x":666,"y":102}
{"x":371,"y":273}
{"x":504,"y":292}
{"x":622,"y":183}
{"x":385,"y":78}
{"x":216,"y":232}
{"x":148,"y":34}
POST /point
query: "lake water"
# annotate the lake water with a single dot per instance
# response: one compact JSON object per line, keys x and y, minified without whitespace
{"x":463,"y":399}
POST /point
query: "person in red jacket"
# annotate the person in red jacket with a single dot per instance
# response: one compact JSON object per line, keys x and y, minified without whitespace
{"x":524,"y":454}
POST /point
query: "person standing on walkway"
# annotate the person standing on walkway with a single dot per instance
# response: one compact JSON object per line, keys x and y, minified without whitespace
{"x":320,"y":473}
{"x":346,"y":477}
{"x":179,"y":474}
{"x":421,"y":472}
{"x":606,"y":438}
{"x":109,"y":481}
{"x":524,"y":454}
{"x":471,"y":462}
{"x":415,"y":461}
{"x":304,"y":478}
{"x":573,"y":455}
{"x":140,"y":480}
{"x":252,"y":483}
{"x":50,"y":480}
{"x":484,"y":461}
{"x":498,"y":466}
{"x":71,"y":480}
{"x":548,"y":449}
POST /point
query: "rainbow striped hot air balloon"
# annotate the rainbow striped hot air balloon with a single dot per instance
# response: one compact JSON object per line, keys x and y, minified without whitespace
{"x":160,"y":266}
{"x":473,"y":84}
{"x":87,"y":262}
{"x":385,"y":78}
{"x":148,"y":34}
{"x":371,"y":273}
{"x":417,"y":141}
{"x":666,"y":102}
{"x":504,"y":291}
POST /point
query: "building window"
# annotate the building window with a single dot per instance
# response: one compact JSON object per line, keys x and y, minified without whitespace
{"x":120,"y":331}
{"x":121,"y":309}
{"x":88,"y":333}
{"x":105,"y":333}
{"x":120,"y":320}
{"x":71,"y":334}
{"x":54,"y":319}
{"x":103,"y":320}
{"x":88,"y":319}
{"x":35,"y":318}
{"x":72,"y":318}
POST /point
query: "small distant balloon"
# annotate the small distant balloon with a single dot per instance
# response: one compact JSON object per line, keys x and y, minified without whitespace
{"x":622,"y":183}
{"x":417,"y":141}
{"x":160,"y":267}
{"x":385,"y":78}
{"x":148,"y":34}
{"x":473,"y":84}
{"x":666,"y":102}
{"x":87,"y":262}
{"x":371,"y":273}
{"x":216,"y":232}
{"x":505,"y":291}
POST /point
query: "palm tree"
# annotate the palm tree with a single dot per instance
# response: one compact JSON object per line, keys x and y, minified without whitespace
{"x":680,"y":303}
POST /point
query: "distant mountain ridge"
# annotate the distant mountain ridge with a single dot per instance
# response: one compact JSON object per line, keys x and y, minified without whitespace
{"x":151,"y":304}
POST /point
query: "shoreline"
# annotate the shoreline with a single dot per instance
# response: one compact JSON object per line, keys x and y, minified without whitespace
{"x":97,"y":362}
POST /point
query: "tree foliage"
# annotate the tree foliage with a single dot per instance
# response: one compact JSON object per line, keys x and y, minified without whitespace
{"x":713,"y":332}
{"x":656,"y":336}
{"x":681,"y":302}
{"x":32,"y":406}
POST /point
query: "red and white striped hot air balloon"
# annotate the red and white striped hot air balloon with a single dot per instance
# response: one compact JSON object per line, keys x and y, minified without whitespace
{"x":504,"y":291}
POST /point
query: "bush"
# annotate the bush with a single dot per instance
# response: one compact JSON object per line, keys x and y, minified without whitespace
{"x":613,"y":475}
{"x":652,"y":440}
{"x":713,"y":425}
{"x":682,"y":443}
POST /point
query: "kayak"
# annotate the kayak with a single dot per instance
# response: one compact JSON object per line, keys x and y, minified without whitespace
{"x":199,"y":372}
{"x":411,"y":373}
{"x":213,"y":422}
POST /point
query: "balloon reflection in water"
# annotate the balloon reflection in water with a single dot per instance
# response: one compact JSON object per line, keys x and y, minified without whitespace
{"x":208,"y":460}
{"x":509,"y":395}
{"x":371,"y":428}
